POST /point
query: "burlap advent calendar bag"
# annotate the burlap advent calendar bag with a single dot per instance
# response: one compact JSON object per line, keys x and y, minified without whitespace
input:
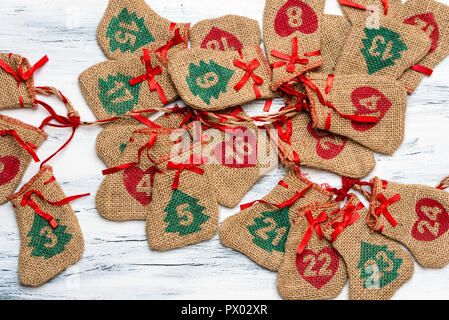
{"x":377,"y":266}
{"x":385,"y":51}
{"x":341,"y":105}
{"x":260,"y":231}
{"x":433,"y":18}
{"x":320,"y":149}
{"x":130,"y":25}
{"x":112,"y":141}
{"x":126,"y":194}
{"x":312,"y":269}
{"x":229,"y":32}
{"x":119,"y":87}
{"x":184,"y":208}
{"x":414,"y":215}
{"x":217,"y":80}
{"x":19,"y":141}
{"x":292,"y":33}
{"x":236,"y":157}
{"x":358,"y":11}
{"x":50,"y":236}
{"x":17,"y":88}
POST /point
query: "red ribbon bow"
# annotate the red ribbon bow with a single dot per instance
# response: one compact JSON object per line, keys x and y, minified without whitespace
{"x":286,"y":135}
{"x":26,"y":200}
{"x":26,"y":145}
{"x":315,"y":225}
{"x":149,"y":76}
{"x":383,"y":208}
{"x":253,"y":65}
{"x":290,"y":61}
{"x":147,"y":146}
{"x":177,"y":39}
{"x":350,"y":216}
{"x":181,"y":167}
{"x":20,"y":75}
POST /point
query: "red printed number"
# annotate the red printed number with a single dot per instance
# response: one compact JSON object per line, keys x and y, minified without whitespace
{"x":433,"y":220}
{"x":318,"y":268}
{"x":294,"y":16}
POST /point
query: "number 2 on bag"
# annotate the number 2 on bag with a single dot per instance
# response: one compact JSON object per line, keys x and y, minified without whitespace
{"x":270,"y":230}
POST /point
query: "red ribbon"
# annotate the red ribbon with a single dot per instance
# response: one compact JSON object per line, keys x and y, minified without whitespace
{"x":383,"y":207}
{"x":20,"y":75}
{"x":26,"y":200}
{"x":286,"y":135}
{"x":359,"y":6}
{"x":149,"y":76}
{"x":362,"y":119}
{"x":253,"y":65}
{"x":350,"y":216}
{"x":146,"y":146}
{"x":421,"y":69}
{"x":177,"y":39}
{"x":26,"y":145}
{"x":287,"y":203}
{"x":315,"y":225}
{"x":348,"y":184}
{"x":290,"y":61}
{"x":181,"y":167}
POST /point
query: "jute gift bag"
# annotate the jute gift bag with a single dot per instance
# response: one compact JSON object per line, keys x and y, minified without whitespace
{"x":236,"y":157}
{"x":17,"y":81}
{"x":376,"y":265}
{"x":388,"y":50}
{"x":297,"y":140}
{"x":184,"y":210}
{"x":292,"y":30}
{"x":433,"y":18}
{"x":260,"y":231}
{"x":217,"y":80}
{"x":414,"y":215}
{"x":18,"y":141}
{"x":334,"y":32}
{"x":50,"y":236}
{"x":127,"y":190}
{"x":112,"y":141}
{"x":130,"y":25}
{"x":359,"y":11}
{"x":228,"y":32}
{"x":312,"y":269}
{"x":119,"y":87}
{"x":369,"y":110}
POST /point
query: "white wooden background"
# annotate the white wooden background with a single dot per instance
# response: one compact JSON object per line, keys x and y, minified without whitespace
{"x":117,"y":262}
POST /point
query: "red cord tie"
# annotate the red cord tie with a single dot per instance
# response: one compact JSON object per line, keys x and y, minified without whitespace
{"x":421,"y":69}
{"x":20,"y":75}
{"x":287,"y":203}
{"x":181,"y":167}
{"x":315,"y":225}
{"x":253,"y":65}
{"x":359,"y":6}
{"x":25,"y":145}
{"x":350,"y":216}
{"x":26,"y":200}
{"x":362,"y":119}
{"x":290,"y":61}
{"x":177,"y":39}
{"x":147,"y":146}
{"x":149,"y":76}
{"x":383,"y":208}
